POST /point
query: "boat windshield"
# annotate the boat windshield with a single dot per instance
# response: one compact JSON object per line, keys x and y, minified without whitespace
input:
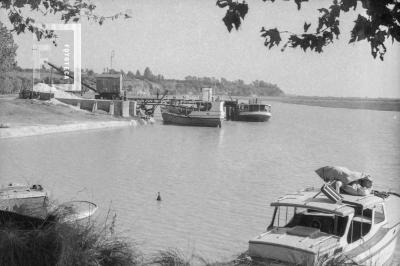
{"x":287,"y":216}
{"x":204,"y":106}
{"x":257,"y":107}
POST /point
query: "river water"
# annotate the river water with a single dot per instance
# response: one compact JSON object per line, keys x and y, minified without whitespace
{"x":216,"y":184}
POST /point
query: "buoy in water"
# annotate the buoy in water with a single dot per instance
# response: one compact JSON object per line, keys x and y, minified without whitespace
{"x":158,"y":196}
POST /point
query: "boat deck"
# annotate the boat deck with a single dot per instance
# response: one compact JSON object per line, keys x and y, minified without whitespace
{"x":311,"y":199}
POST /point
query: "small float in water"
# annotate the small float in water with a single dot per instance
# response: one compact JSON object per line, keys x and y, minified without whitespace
{"x":324,"y":227}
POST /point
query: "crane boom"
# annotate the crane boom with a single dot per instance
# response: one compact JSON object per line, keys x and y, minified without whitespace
{"x":61,"y":71}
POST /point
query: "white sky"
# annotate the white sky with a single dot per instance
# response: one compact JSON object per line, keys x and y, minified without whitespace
{"x":177,"y":38}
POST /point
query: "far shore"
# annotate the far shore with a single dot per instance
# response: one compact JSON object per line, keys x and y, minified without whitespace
{"x":378,"y":104}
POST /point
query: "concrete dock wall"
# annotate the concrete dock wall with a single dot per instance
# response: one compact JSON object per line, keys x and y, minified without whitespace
{"x":73,"y":102}
{"x":103,"y":105}
{"x":118,"y":108}
{"x":132,"y":108}
{"x":87,"y":105}
{"x":113,"y":107}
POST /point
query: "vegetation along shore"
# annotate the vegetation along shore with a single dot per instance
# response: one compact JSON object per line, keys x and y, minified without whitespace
{"x":379,"y":104}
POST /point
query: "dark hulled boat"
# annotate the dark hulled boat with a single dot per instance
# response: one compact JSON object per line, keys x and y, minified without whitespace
{"x":205,"y":114}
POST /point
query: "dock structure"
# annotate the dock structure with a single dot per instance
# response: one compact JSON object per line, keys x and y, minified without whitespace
{"x":232,"y":110}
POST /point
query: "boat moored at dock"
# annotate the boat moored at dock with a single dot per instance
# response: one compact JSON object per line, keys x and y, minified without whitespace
{"x":253,"y":111}
{"x":308,"y":228}
{"x":199,"y":113}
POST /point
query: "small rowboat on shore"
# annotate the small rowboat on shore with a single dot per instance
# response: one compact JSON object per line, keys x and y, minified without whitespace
{"x":29,"y":206}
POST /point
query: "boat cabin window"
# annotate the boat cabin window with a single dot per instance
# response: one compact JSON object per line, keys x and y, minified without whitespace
{"x":360,"y":225}
{"x":325,"y":222}
{"x":379,"y":214}
{"x":283,"y":216}
{"x":257,"y":107}
{"x":206,"y":106}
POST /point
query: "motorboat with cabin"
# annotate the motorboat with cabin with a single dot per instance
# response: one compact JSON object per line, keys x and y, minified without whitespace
{"x":252,"y":111}
{"x":205,"y":112}
{"x":313,"y":228}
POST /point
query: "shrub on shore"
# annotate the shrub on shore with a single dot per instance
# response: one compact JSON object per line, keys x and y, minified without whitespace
{"x":65,"y":244}
{"x":174,"y":257}
{"x":11,"y":83}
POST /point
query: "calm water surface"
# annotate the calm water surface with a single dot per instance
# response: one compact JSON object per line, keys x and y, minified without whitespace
{"x":216,"y":184}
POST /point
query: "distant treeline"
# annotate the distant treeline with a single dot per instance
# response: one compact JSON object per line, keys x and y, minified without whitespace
{"x":192,"y":84}
{"x":147,"y":83}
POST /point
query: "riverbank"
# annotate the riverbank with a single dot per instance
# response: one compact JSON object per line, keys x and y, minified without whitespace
{"x":24,"y":117}
{"x":379,"y":104}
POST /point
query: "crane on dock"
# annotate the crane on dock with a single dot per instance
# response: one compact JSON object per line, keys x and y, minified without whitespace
{"x":61,"y":71}
{"x":144,"y":102}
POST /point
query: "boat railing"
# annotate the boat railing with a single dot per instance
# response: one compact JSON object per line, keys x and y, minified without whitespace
{"x":255,"y":107}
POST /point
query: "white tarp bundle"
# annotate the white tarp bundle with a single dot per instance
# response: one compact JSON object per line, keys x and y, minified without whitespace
{"x":338,"y":173}
{"x":58,"y":93}
{"x":353,"y":183}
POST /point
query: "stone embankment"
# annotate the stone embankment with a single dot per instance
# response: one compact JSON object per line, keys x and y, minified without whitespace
{"x":27,"y":131}
{"x":23,"y":118}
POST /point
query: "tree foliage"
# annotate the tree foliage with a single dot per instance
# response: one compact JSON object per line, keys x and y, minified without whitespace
{"x":378,"y":21}
{"x":7,"y":50}
{"x":69,"y":11}
{"x":235,"y":13}
{"x":192,"y":85}
{"x":148,"y":74}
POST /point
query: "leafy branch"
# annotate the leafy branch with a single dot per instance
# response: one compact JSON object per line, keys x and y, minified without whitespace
{"x":69,"y":11}
{"x":382,"y":21}
{"x":235,"y":13}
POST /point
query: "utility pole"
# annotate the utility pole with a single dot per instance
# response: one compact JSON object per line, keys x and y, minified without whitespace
{"x":112,"y":56}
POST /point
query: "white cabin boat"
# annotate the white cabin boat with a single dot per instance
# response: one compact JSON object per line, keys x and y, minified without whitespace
{"x":254,"y":111}
{"x":307,"y":228}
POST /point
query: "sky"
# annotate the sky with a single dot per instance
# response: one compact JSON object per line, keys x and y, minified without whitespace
{"x":177,"y":38}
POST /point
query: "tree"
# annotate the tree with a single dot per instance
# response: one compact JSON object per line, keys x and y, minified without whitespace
{"x":69,"y":10}
{"x":148,"y":74}
{"x":381,"y":22}
{"x":130,"y":74}
{"x":138,"y":75}
{"x":7,"y":50}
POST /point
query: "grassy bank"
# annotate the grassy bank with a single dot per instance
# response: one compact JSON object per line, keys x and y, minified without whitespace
{"x":61,"y":244}
{"x":24,"y":117}
{"x":25,"y":112}
{"x":64,"y":244}
{"x":379,"y":104}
